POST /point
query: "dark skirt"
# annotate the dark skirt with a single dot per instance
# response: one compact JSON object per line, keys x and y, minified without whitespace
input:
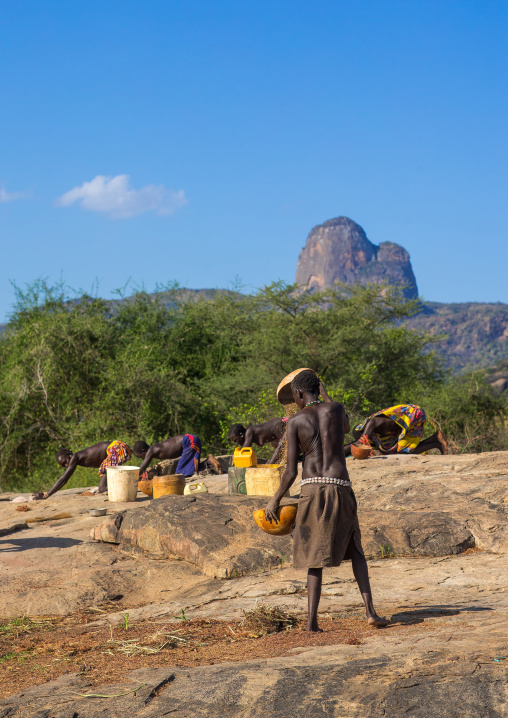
{"x":326,"y":526}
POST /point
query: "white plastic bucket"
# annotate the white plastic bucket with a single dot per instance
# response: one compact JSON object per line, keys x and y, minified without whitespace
{"x":123,"y":483}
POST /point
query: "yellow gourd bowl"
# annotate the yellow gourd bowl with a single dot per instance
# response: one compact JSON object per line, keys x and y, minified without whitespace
{"x":287,"y":516}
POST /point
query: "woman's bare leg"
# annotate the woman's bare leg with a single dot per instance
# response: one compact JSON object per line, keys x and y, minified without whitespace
{"x":361,"y":574}
{"x":314,"y":581}
{"x":436,"y":441}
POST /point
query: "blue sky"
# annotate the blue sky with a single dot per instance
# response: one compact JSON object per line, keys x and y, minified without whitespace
{"x":200,"y":142}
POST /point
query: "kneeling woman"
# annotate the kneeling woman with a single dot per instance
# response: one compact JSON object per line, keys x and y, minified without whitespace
{"x":397,"y":430}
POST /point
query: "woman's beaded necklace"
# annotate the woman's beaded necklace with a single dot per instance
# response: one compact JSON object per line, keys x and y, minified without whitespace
{"x":312,"y":403}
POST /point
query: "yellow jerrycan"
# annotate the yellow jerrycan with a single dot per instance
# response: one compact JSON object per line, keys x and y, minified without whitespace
{"x":245,"y":456}
{"x":198,"y":488}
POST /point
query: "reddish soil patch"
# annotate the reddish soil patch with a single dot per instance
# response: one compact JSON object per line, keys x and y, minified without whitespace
{"x":34,"y":651}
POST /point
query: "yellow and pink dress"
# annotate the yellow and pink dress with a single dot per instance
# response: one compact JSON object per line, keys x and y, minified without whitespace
{"x":411,"y":421}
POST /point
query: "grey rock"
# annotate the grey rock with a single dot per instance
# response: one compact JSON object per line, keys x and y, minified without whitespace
{"x":215,"y":533}
{"x":412,"y":533}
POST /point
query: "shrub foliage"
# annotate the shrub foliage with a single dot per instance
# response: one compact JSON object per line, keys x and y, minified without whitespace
{"x":77,"y":370}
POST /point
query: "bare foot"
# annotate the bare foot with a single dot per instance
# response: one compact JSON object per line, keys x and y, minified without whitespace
{"x":376,"y":621}
{"x":314,"y":628}
{"x":443,"y":442}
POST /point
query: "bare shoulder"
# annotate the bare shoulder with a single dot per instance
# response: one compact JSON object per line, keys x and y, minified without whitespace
{"x":296,"y":420}
{"x":332,"y":411}
{"x":331,"y":407}
{"x":265,"y":425}
{"x":170,"y":440}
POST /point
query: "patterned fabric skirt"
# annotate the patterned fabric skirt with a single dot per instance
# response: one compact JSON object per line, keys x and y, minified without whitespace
{"x":117,"y":454}
{"x":411,"y":421}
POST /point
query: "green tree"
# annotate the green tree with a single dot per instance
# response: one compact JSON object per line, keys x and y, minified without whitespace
{"x":75,"y":370}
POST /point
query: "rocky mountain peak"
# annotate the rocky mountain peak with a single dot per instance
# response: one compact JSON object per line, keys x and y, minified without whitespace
{"x":339,"y":250}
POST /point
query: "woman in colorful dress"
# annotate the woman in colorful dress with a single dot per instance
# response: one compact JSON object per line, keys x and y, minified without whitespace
{"x":397,"y":430}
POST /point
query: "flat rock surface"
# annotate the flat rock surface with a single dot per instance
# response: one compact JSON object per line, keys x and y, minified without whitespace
{"x":454,"y":665}
{"x":409,"y":506}
{"x":218,"y":535}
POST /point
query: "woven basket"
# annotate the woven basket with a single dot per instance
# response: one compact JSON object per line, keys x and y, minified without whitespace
{"x":284,"y":393}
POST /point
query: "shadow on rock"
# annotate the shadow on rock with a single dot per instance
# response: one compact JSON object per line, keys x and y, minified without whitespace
{"x":24,"y":544}
{"x":420,"y":614}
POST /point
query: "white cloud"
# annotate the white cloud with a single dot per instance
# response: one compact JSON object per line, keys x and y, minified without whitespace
{"x":10,"y":196}
{"x":113,"y":196}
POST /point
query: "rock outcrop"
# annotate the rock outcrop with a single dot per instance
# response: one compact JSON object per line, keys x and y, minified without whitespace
{"x":420,"y":506}
{"x":217,"y":534}
{"x":320,"y":682}
{"x":339,"y":250}
{"x":410,"y":508}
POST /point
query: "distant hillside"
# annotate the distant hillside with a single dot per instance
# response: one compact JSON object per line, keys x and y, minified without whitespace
{"x":192,"y":294}
{"x":477,"y":334}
